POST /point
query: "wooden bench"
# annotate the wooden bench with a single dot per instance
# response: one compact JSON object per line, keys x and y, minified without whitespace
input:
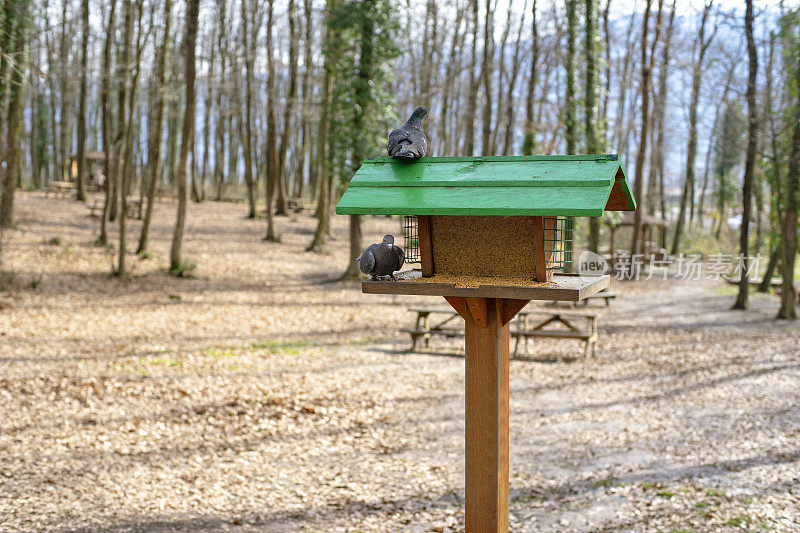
{"x":523,"y":330}
{"x":424,"y":330}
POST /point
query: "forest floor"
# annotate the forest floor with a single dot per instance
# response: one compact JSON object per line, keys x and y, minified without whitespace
{"x":262,"y":395}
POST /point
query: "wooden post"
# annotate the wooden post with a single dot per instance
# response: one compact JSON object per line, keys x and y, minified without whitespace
{"x":486,"y":392}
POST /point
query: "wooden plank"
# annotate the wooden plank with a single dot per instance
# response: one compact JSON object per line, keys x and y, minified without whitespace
{"x":518,"y":173}
{"x":561,"y":288}
{"x":511,"y":308}
{"x":486,"y":392}
{"x":540,"y":269}
{"x":554,"y":334}
{"x":425,"y":245}
{"x":459,"y":304}
{"x":488,"y":201}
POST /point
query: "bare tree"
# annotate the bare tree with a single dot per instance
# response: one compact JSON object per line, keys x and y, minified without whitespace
{"x":750,"y":161}
{"x":155,"y":129}
{"x":274,"y":181}
{"x":468,"y":147}
{"x":516,"y":61}
{"x":81,"y":156}
{"x":247,"y":120}
{"x":305,"y":113}
{"x":701,"y":45}
{"x":529,"y":142}
{"x":570,"y":122}
{"x":323,"y":204}
{"x":17,"y":12}
{"x":789,"y":227}
{"x":486,"y":74}
{"x":105,"y":104}
{"x":187,"y":138}
{"x":647,"y":69}
{"x":288,"y":110}
{"x":590,"y":105}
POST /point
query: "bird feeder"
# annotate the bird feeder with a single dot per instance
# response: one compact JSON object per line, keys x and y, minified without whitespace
{"x":490,"y":234}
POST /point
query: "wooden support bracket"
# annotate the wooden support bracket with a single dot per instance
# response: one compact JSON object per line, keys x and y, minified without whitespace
{"x":459,"y":304}
{"x":477,"y":308}
{"x":510,"y":308}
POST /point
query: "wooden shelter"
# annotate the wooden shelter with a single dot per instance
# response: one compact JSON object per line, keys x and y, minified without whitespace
{"x":648,"y":223}
{"x":92,"y":157}
{"x":490,"y":240}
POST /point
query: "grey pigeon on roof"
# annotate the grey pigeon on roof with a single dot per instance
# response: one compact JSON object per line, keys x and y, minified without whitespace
{"x":381,"y":260}
{"x":408,"y":141}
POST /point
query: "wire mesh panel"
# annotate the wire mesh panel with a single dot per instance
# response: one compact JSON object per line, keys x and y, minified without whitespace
{"x":411,"y":239}
{"x":558,"y":240}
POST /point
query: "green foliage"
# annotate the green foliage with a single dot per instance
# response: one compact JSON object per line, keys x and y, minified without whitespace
{"x":360,"y":49}
{"x":728,"y":152}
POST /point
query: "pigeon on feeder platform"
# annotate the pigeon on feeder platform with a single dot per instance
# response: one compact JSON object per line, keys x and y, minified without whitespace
{"x":408,"y":141}
{"x":381,"y":260}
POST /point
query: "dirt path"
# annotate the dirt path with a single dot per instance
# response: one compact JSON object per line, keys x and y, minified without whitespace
{"x":263,"y":396}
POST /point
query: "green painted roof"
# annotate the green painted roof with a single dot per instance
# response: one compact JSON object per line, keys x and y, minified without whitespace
{"x":533,"y":186}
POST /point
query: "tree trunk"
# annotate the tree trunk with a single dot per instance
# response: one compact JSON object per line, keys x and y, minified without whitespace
{"x":590,"y":104}
{"x":187,"y":138}
{"x":789,"y":227}
{"x":766,"y":281}
{"x":323,"y":216}
{"x":208,"y":100}
{"x":16,"y":97}
{"x":219,"y":156}
{"x":155,"y":133}
{"x":468,"y":147}
{"x":691,"y":147}
{"x":656,"y":171}
{"x":487,"y":75}
{"x":570,"y":124}
{"x":105,"y":104}
{"x":750,"y":161}
{"x":274,"y":180}
{"x":248,"y":115}
{"x":80,"y":193}
{"x":529,"y":143}
{"x":291,"y":96}
{"x":637,"y":247}
{"x":305,"y":113}
{"x":508,"y":141}
{"x":453,"y":69}
{"x":363,"y":98}
{"x":125,"y":123}
{"x":64,"y":168}
{"x":707,"y":169}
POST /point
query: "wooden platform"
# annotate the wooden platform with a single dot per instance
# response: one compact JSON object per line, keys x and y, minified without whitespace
{"x":564,"y":287}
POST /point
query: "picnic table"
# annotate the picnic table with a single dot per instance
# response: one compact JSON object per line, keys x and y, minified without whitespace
{"x":58,"y":187}
{"x":576,"y":325}
{"x":424,"y":330}
{"x":602,"y":295}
